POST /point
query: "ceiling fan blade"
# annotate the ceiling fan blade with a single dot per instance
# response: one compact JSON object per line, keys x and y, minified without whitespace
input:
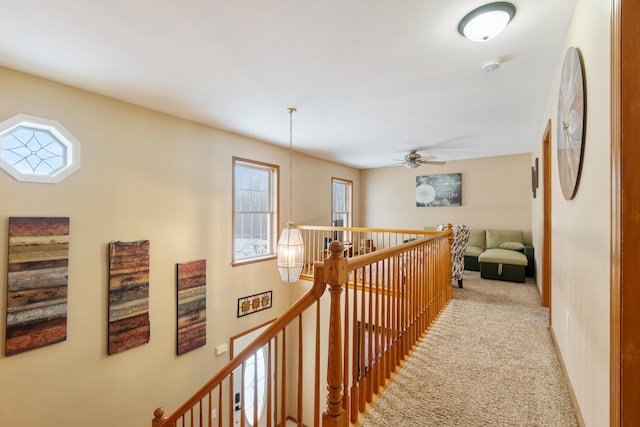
{"x":432,"y":162}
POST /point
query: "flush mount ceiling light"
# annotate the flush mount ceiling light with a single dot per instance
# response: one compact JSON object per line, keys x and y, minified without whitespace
{"x":486,"y":22}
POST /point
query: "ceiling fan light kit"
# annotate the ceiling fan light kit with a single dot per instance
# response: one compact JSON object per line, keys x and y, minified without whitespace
{"x":412,"y":165}
{"x":486,"y":22}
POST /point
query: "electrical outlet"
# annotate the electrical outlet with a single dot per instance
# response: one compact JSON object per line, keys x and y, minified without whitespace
{"x":567,"y":321}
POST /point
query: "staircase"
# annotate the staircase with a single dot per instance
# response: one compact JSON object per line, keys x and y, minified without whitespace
{"x":325,"y":358}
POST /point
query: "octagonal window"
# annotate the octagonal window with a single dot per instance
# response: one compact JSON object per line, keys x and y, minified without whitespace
{"x":37,"y":150}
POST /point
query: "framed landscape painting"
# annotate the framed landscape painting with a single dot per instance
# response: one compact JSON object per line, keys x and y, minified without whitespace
{"x":439,"y":190}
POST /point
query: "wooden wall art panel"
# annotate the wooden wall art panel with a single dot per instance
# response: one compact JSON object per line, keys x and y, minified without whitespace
{"x":192,"y":305}
{"x":128,"y":295}
{"x":37,"y":276}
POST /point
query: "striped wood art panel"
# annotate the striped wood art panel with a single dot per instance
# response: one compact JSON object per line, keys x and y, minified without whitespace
{"x":192,"y":305}
{"x":128,"y":295}
{"x":37,"y":277}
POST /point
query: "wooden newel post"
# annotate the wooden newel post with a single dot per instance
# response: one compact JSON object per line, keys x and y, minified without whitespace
{"x":335,"y":274}
{"x":158,"y":418}
{"x":449,"y":231}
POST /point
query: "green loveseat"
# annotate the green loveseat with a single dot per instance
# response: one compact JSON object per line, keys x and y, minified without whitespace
{"x":499,"y":255}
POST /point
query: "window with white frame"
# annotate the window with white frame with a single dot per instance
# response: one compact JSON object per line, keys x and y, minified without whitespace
{"x":255,"y":212}
{"x":341,"y":202}
{"x":37,"y":150}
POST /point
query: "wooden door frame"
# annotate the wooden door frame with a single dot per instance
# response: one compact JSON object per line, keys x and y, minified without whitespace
{"x":625,"y":200}
{"x":546,"y":221}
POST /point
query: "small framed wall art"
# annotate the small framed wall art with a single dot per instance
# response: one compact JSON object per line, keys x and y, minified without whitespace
{"x":254,"y":303}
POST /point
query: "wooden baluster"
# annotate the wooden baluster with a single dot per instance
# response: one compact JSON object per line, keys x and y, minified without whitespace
{"x":243,"y":372}
{"x":419,"y":293}
{"x":276,"y":378}
{"x":449,"y":231}
{"x":269,"y":385}
{"x":300,"y":371}
{"x":336,"y":276}
{"x":376,"y":321}
{"x":373,"y":333}
{"x":255,"y":389}
{"x":346,"y":399}
{"x":316,"y":388}
{"x":425,"y":285}
{"x":387,"y":320}
{"x":355,"y":353}
{"x":402,"y":306}
{"x":219,"y":411}
{"x":386,"y":303}
{"x":362,"y":365}
{"x":283,"y":382}
{"x":411,"y":302}
{"x":394,"y":312}
{"x":422,"y":287}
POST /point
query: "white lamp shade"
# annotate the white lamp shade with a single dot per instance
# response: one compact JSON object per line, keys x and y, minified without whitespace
{"x":290,"y":254}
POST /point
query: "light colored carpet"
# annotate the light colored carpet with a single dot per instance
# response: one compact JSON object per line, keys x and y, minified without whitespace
{"x":487,"y":361}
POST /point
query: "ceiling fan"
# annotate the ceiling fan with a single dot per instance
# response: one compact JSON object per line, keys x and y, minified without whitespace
{"x":415,"y":159}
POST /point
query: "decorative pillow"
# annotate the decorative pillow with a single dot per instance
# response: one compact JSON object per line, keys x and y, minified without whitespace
{"x":514,"y":246}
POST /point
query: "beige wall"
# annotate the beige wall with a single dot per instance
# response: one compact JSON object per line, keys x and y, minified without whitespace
{"x":144,"y":175}
{"x":581,"y":231}
{"x":496,"y":193}
{"x":150,"y":176}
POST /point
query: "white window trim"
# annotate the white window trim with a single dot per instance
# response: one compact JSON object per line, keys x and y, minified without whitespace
{"x":349,"y":200}
{"x":275,"y":170}
{"x":72,"y":160}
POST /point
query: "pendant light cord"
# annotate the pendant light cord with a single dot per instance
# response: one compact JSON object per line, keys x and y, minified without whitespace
{"x":291,"y":110}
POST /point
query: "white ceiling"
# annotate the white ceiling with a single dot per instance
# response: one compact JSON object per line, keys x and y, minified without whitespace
{"x":371,"y":79}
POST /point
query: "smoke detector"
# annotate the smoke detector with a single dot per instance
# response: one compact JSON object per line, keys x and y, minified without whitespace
{"x":491,"y":64}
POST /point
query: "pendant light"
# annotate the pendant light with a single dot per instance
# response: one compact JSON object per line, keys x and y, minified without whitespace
{"x":290,"y":245}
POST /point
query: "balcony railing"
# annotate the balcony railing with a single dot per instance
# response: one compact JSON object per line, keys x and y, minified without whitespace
{"x":330,"y":353}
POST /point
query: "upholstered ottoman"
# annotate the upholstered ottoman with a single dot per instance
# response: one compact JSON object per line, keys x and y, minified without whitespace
{"x":503,"y":264}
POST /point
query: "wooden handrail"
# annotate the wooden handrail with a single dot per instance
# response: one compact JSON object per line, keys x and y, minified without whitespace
{"x":381,"y":302}
{"x":304,"y":302}
{"x":373,"y":257}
